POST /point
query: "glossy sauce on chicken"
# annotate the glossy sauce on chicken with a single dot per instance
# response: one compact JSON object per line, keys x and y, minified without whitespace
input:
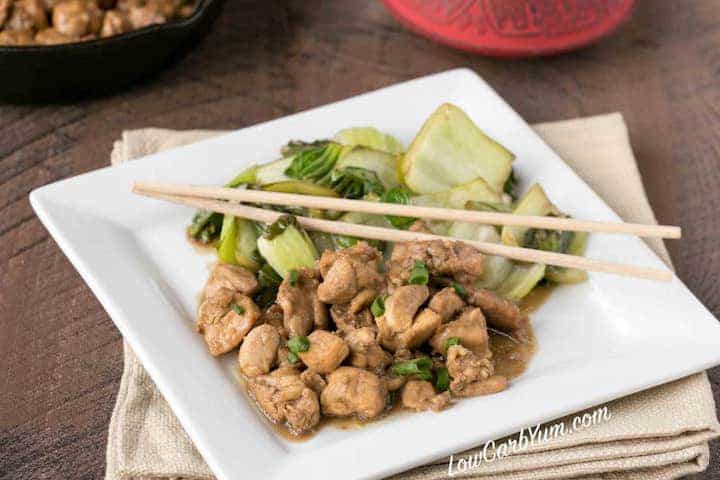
{"x":360,"y":337}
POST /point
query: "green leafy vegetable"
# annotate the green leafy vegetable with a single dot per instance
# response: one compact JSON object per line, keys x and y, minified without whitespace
{"x":344,"y":241}
{"x":548,"y":240}
{"x":488,"y":206}
{"x":450,"y":342}
{"x":355,"y":182}
{"x":460,"y":290}
{"x":205,"y":226}
{"x":286,"y":246}
{"x":313,"y":162}
{"x":369,"y":137}
{"x":401,"y":196}
{"x":269,"y":281}
{"x":442,"y":379}
{"x":419,"y":274}
{"x":293,"y":277}
{"x":378,"y":307}
{"x":511,"y":184}
{"x":419,"y":367}
{"x":237,"y":309}
{"x":298,"y":344}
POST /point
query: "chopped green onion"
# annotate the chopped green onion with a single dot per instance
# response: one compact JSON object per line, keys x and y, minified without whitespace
{"x":402,"y":196}
{"x":298,"y":344}
{"x":419,"y":274}
{"x":237,"y":308}
{"x":460,"y":290}
{"x":378,"y":307}
{"x":450,"y":342}
{"x":442,"y":379}
{"x":293,"y":277}
{"x":268,"y":277}
{"x":419,"y":367}
{"x":292,"y":357}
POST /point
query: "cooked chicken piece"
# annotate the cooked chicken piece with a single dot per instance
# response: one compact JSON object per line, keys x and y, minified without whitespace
{"x":273,"y":315}
{"x":349,"y":271}
{"x":399,"y":327}
{"x":27,"y":15}
{"x":77,"y":18}
{"x":346,"y":321}
{"x":354,"y":391}
{"x":225,"y":319}
{"x":50,"y":36}
{"x":420,"y":395}
{"x":151,"y":12}
{"x":326,"y":352}
{"x":282,"y":356}
{"x":365,"y":352}
{"x":230,"y":277}
{"x":446,"y":303}
{"x":363,"y":299}
{"x":16,"y":38}
{"x":258,"y":351}
{"x":443,"y":258}
{"x":302,"y":311}
{"x":314,"y":380}
{"x":115,"y":22}
{"x":5,"y":11}
{"x":394,"y":383}
{"x":465,"y":367}
{"x":283,"y":397}
{"x":500,"y":312}
{"x":494,"y":384}
{"x":402,"y":305}
{"x":470,"y":328}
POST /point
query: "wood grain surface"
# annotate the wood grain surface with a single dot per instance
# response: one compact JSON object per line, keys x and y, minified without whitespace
{"x":61,"y":354}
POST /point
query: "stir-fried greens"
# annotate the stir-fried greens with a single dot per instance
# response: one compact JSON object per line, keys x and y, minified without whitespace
{"x":318,"y":316}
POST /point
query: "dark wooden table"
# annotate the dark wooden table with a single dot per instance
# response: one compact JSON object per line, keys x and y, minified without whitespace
{"x":61,"y":354}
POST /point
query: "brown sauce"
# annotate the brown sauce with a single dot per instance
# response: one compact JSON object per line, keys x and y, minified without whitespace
{"x":512,"y":353}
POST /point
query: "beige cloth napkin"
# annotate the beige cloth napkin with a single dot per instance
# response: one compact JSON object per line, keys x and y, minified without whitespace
{"x":661,"y":433}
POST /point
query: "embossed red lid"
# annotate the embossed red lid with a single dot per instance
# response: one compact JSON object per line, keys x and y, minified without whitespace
{"x":512,"y":28}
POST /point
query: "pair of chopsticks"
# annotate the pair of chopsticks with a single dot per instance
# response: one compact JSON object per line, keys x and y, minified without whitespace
{"x":222,"y":200}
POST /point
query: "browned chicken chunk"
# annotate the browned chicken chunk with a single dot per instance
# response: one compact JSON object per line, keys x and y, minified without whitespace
{"x":114,"y":22}
{"x":230,"y":277}
{"x":443,"y":258}
{"x":347,"y":321}
{"x":446,"y":303}
{"x":5,"y":6}
{"x":500,"y":312}
{"x":494,"y":384}
{"x":420,"y":395}
{"x":354,"y":391}
{"x":77,"y":18}
{"x":365,"y":352}
{"x":258,"y":352}
{"x":465,"y":367}
{"x":400,"y":327}
{"x":326,"y":352}
{"x":27,"y":15}
{"x":50,"y":36}
{"x":284,"y":397}
{"x":314,"y":380}
{"x":302,"y":310}
{"x":225,"y":319}
{"x":16,"y":38}
{"x":349,"y":271}
{"x":469,"y":328}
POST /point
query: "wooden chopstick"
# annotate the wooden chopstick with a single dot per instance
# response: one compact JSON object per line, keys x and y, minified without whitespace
{"x":392,"y":235}
{"x":449,"y":214}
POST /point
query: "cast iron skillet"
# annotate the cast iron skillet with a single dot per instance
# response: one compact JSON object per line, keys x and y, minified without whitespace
{"x":65,"y":72}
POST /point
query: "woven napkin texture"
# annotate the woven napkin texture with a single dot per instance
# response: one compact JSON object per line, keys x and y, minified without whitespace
{"x":661,"y":433}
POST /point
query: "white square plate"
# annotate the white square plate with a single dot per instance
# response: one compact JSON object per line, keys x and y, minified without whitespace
{"x":599,"y":340}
